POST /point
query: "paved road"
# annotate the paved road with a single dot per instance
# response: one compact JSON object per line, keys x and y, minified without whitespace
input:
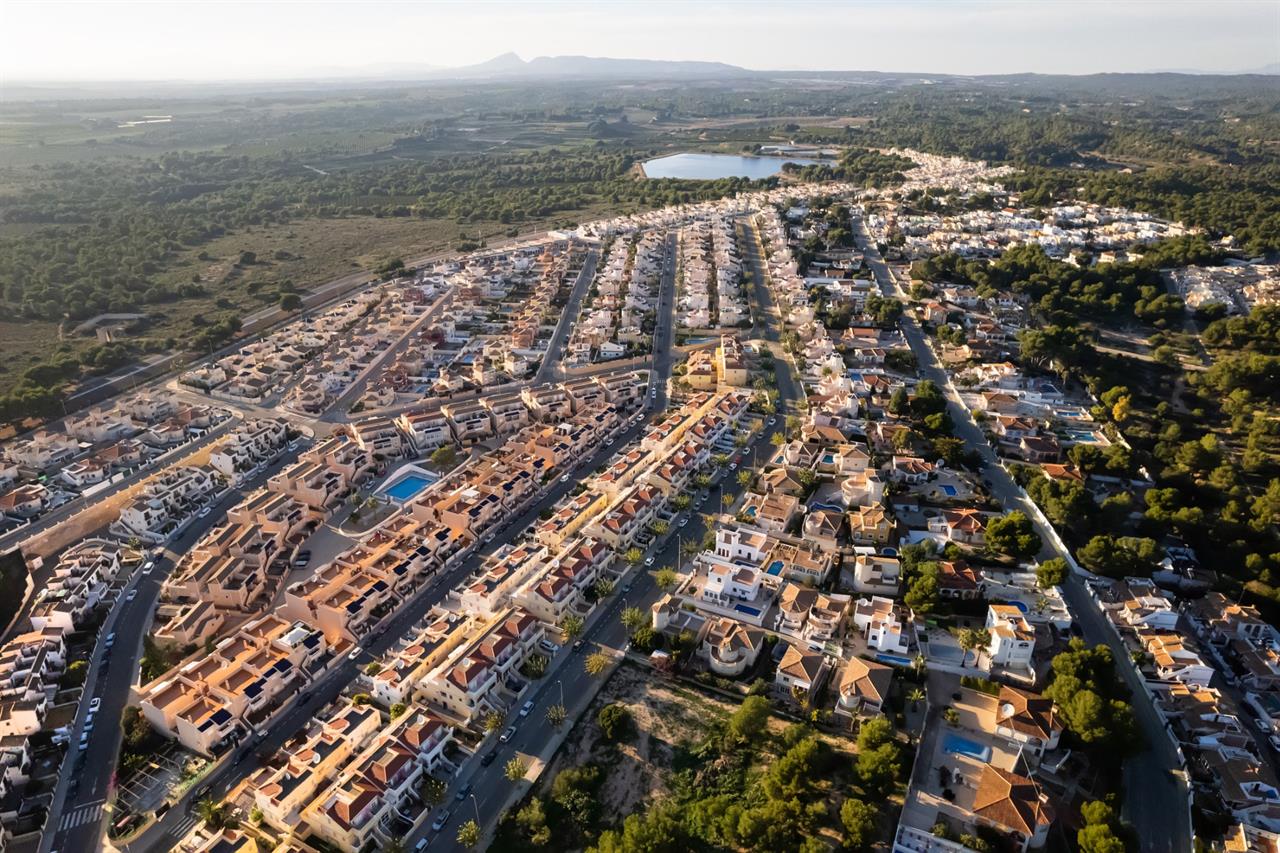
{"x":171,"y":457}
{"x":1155,"y":801}
{"x":567,"y":680}
{"x":550,"y":366}
{"x":85,"y":778}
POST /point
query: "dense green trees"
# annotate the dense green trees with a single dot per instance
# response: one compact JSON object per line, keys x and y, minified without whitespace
{"x":1013,"y":536}
{"x":1092,"y":699}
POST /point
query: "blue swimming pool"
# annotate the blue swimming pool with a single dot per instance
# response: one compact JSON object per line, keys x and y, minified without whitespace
{"x":750,"y":611}
{"x":406,"y":487}
{"x":948,"y":490}
{"x":828,"y":458}
{"x":827,"y":507}
{"x":897,"y":660}
{"x":775,"y":568}
{"x":957,"y":745}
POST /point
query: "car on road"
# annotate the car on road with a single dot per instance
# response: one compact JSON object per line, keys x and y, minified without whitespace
{"x":653,"y":394}
{"x":648,"y":561}
{"x":302,"y":559}
{"x":733,"y":466}
{"x":577,"y":645}
{"x":462,"y":792}
{"x":488,"y":758}
{"x":94,"y":704}
{"x":770,"y":421}
{"x":508,"y":734}
{"x":133,"y":593}
{"x":627,"y":588}
{"x":565,"y":478}
{"x":204,"y":512}
{"x":84,"y":742}
{"x":684,"y":521}
{"x":150,"y":564}
{"x":526,"y":708}
{"x":442,"y":817}
{"x":420,"y":846}
{"x":110,"y":641}
{"x":355,"y":653}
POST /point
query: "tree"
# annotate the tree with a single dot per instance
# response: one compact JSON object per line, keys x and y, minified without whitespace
{"x":214,"y":814}
{"x":290,"y":302}
{"x":634,"y":556}
{"x":536,"y":666}
{"x":444,"y":455}
{"x":556,"y":715}
{"x":516,"y":769}
{"x":432,"y":790}
{"x":596,"y":663}
{"x":915,"y":696}
{"x":750,"y":718}
{"x":1119,"y":556}
{"x":859,"y":822}
{"x":614,"y":720}
{"x":572,"y":626}
{"x":633,"y":618}
{"x":922,"y":592}
{"x":469,"y":833}
{"x":666,"y":578}
{"x":1013,"y":536}
{"x":603,"y":588}
{"x":492,"y":721}
{"x":1052,"y":572}
{"x":744,"y":478}
{"x":878,"y":768}
{"x":397,"y":709}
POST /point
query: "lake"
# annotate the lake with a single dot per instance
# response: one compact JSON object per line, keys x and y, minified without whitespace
{"x":709,"y":167}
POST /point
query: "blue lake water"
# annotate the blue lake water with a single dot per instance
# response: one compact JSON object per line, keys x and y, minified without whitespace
{"x":710,"y":167}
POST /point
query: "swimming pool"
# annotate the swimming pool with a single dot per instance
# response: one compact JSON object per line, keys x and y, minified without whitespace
{"x":826,"y":506}
{"x":828,"y":459}
{"x":948,"y":490}
{"x":957,"y":745}
{"x":750,"y":611}
{"x":897,"y":660}
{"x":406,"y":487}
{"x":775,"y":568}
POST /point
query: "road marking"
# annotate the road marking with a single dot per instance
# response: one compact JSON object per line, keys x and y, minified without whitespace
{"x":80,"y":816}
{"x":183,"y":826}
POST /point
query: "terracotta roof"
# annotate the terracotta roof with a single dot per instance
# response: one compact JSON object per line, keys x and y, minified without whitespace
{"x":1011,"y":801}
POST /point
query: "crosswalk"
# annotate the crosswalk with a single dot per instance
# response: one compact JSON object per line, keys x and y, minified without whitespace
{"x":81,"y":815}
{"x":179,"y":830}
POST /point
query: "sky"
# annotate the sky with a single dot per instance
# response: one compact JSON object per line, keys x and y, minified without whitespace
{"x":105,"y":40}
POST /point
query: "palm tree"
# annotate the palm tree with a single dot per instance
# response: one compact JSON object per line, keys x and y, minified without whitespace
{"x":915,"y":696}
{"x":967,"y":641}
{"x":919,"y":664}
{"x":981,"y":641}
{"x":214,"y":814}
{"x":596,"y":663}
{"x":556,"y":715}
{"x":666,"y":578}
{"x":395,"y":845}
{"x":469,"y":834}
{"x":492,"y":721}
{"x":432,"y":790}
{"x":515,"y":770}
{"x":571,"y":626}
{"x":632,"y":618}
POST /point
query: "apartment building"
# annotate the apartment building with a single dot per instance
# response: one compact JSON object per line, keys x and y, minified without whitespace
{"x":379,"y":437}
{"x":470,"y":421}
{"x":508,"y":413}
{"x":30,"y":666}
{"x":81,"y":578}
{"x":167,"y":502}
{"x":628,"y":517}
{"x":209,"y":702}
{"x":249,"y":445}
{"x":426,"y":430}
{"x":1013,"y":639}
{"x":480,"y":676}
{"x":884,"y":624}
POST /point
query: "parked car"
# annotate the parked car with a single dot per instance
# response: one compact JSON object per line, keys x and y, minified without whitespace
{"x":462,"y":792}
{"x":150,"y":564}
{"x":733,"y":466}
{"x":442,"y":817}
{"x":526,"y":708}
{"x":204,"y":512}
{"x":110,"y":641}
{"x":488,"y":758}
{"x":548,"y":646}
{"x":302,"y":559}
{"x":94,"y":704}
{"x":648,"y":561}
{"x":508,"y":734}
{"x":565,"y":478}
{"x":684,"y":521}
{"x":133,"y":593}
{"x":577,"y":645}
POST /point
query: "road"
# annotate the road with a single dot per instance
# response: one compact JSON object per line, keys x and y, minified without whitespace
{"x":164,"y":834}
{"x":171,"y":457}
{"x":550,"y":366}
{"x":567,"y":679}
{"x":1155,"y":802}
{"x":85,"y":778}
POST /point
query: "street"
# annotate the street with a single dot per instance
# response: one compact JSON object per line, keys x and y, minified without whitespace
{"x":1154,"y":801}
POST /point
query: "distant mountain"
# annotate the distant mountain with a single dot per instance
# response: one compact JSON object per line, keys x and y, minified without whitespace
{"x":511,"y":65}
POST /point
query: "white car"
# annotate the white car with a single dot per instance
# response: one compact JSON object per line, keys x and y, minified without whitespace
{"x":648,"y":561}
{"x":151,"y":564}
{"x":133,"y":593}
{"x":733,"y":466}
{"x":355,"y":653}
{"x":95,"y":704}
{"x":565,"y":478}
{"x":526,"y":708}
{"x":684,"y":521}
{"x":204,"y":512}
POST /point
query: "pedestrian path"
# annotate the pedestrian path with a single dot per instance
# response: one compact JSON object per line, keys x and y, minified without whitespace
{"x":81,"y":815}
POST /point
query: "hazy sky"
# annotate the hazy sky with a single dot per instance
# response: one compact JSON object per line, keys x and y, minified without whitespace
{"x":226,"y":39}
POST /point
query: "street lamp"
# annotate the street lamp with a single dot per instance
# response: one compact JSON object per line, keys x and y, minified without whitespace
{"x":476,"y":803}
